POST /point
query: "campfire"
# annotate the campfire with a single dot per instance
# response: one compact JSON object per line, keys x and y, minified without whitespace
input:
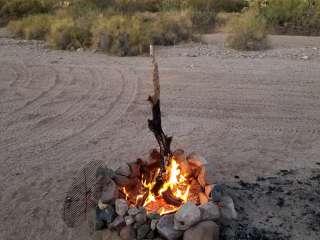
{"x":162,"y":195}
{"x":177,"y":185}
{"x":166,"y":180}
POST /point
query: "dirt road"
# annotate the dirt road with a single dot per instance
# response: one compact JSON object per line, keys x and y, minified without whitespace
{"x":251,"y":114}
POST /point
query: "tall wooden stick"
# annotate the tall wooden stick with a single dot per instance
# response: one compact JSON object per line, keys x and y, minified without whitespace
{"x":155,"y":124}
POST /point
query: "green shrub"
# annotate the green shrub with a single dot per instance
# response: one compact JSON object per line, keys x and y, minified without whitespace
{"x":32,"y":27}
{"x":247,"y":32}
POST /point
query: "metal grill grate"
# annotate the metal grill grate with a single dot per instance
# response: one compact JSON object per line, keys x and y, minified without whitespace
{"x":79,"y":199}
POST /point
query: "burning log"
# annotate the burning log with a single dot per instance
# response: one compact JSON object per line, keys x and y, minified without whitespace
{"x":155,"y":126}
{"x":171,"y":199}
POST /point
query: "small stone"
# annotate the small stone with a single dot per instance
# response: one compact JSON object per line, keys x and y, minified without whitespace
{"x":227,"y":210}
{"x":151,"y":235}
{"x":129,"y":220}
{"x":107,"y":215}
{"x":107,"y":190}
{"x":188,"y":215}
{"x":121,"y":207}
{"x":101,"y":205}
{"x":123,"y":170}
{"x":179,"y":156}
{"x":305,"y":57}
{"x":197,"y":160}
{"x":166,"y":229}
{"x":153,"y":224}
{"x":133,"y":211}
{"x":207,"y":230}
{"x":141,"y":217}
{"x":217,"y":193}
{"x":203,"y":198}
{"x":206,"y":176}
{"x":209,"y":211}
{"x":127,"y":233}
{"x":117,"y":223}
{"x":142,"y":231}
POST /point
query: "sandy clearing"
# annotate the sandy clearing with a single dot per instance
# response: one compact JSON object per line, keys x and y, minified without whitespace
{"x":251,"y":114}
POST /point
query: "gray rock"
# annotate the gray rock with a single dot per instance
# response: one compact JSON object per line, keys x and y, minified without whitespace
{"x":117,"y":223}
{"x":133,"y":211}
{"x":207,"y":230}
{"x":188,"y":215}
{"x":179,"y":155}
{"x":129,"y":220}
{"x":143,"y":231}
{"x":206,"y":176}
{"x":151,"y":235}
{"x":141,"y":217}
{"x":166,"y":229}
{"x":124,"y":170}
{"x":121,"y":207}
{"x":106,"y":215}
{"x":196,"y":159}
{"x":127,"y":233}
{"x":217,"y":193}
{"x":209,"y":211}
{"x":109,"y":190}
{"x":227,"y":210}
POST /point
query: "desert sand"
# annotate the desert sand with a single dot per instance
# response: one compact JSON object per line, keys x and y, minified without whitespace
{"x":251,"y":114}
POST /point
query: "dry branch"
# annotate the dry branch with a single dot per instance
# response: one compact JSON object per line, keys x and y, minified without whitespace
{"x":155,"y":126}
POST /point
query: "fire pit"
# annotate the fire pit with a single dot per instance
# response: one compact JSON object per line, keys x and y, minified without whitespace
{"x":168,"y":195}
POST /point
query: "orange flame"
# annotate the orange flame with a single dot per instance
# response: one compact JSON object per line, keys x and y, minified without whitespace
{"x":176,"y":182}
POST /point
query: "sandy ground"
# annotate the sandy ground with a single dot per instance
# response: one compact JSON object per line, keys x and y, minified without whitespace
{"x":251,"y":114}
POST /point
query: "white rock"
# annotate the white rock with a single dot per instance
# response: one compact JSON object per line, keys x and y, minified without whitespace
{"x":209,"y":211}
{"x":129,"y":220}
{"x":196,"y":159}
{"x":121,"y":207}
{"x":188,"y":215}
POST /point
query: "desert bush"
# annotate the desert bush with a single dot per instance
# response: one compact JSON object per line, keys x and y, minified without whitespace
{"x":21,"y":8}
{"x":131,"y":6}
{"x":291,"y":16}
{"x":131,"y":35}
{"x":121,"y":35}
{"x":247,"y":32}
{"x":66,"y":33}
{"x":32,"y":27}
{"x":218,"y":5}
{"x":203,"y":20}
{"x":230,"y":5}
